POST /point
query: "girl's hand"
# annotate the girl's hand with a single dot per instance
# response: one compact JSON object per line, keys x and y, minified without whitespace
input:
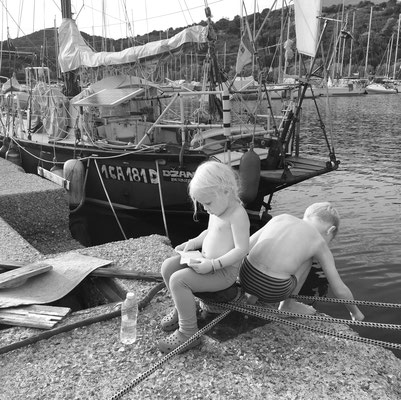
{"x":190,"y":245}
{"x":186,"y":246}
{"x":180,"y":247}
{"x":202,"y":266}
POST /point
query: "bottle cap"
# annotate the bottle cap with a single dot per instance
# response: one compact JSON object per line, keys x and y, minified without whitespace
{"x":130,"y":295}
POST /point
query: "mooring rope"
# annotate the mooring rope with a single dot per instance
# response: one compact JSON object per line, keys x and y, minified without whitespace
{"x":108,"y":199}
{"x":167,"y":357}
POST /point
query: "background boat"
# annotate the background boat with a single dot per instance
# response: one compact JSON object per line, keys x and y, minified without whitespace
{"x":380,"y":88}
{"x":114,"y":139}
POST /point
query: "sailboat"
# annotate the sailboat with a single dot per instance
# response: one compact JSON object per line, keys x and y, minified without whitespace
{"x":114,"y":138}
{"x":378,"y":85}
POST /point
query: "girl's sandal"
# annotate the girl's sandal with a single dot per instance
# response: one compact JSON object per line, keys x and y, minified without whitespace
{"x":170,"y":321}
{"x":175,"y":340}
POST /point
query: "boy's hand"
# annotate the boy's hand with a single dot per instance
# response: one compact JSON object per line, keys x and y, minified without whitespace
{"x":357,"y":316}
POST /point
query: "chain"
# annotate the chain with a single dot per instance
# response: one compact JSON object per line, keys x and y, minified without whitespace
{"x":322,"y":318}
{"x":263,"y":313}
{"x":180,"y":348}
{"x":343,"y":301}
{"x":247,"y":310}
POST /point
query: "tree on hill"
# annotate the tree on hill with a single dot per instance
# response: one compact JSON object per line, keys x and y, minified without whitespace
{"x":384,"y":24}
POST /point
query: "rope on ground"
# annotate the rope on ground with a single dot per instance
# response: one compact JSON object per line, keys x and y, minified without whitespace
{"x":244,"y":309}
{"x":167,"y":357}
{"x":343,"y":301}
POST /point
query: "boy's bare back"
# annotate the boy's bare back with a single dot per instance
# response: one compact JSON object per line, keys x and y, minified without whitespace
{"x":283,"y":245}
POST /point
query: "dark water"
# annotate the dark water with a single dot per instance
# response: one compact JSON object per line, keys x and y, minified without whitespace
{"x":367,"y":192}
{"x":366,"y":132}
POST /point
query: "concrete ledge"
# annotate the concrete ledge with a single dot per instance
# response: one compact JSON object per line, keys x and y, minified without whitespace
{"x":14,"y":247}
{"x":35,"y":208}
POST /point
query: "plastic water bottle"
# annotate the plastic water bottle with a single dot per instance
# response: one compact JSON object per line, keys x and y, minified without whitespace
{"x":129,"y":316}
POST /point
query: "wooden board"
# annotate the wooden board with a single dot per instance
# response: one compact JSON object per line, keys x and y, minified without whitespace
{"x":19,"y":276}
{"x":44,"y":173}
{"x":100,"y":272}
{"x":34,"y":316}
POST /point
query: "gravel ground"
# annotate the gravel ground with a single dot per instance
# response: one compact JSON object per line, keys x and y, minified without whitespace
{"x":239,"y":357}
{"x":271,"y":361}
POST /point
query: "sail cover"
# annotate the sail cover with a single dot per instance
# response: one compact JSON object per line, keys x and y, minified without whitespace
{"x":75,"y":53}
{"x":307,"y":25}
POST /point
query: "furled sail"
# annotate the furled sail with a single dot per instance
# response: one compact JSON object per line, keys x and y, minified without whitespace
{"x":74,"y":52}
{"x":307,"y":25}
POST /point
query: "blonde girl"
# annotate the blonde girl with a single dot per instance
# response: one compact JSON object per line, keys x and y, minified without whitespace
{"x":223,"y":245}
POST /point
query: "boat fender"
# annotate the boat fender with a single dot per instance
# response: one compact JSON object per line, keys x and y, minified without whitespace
{"x":13,"y":155}
{"x":74,"y":171}
{"x":249,"y":174}
{"x":5,"y":146}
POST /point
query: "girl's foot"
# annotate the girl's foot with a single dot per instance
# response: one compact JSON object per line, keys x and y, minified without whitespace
{"x":175,"y":340}
{"x":170,"y":321}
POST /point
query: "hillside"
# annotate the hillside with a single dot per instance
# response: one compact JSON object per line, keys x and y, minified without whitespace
{"x":39,"y":48}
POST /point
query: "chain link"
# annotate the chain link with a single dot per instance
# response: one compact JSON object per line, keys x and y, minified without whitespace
{"x":247,"y":310}
{"x":176,"y":351}
{"x":322,"y":318}
{"x":263,"y":313}
{"x":343,"y":301}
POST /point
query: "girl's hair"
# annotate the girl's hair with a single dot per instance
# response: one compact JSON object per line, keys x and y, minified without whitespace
{"x":325,"y":212}
{"x":215,"y":177}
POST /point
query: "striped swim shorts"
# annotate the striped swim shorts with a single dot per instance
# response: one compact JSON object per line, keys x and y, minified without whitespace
{"x":266,"y":288}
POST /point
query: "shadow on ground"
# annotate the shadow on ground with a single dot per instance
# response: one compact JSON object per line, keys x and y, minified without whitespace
{"x":231,"y":326}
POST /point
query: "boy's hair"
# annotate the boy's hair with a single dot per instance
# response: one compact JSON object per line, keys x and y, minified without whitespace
{"x":214,"y":176}
{"x":325,"y":212}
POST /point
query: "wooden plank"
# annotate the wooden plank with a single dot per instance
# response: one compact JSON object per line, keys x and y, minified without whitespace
{"x":54,"y":311}
{"x":18,"y":276}
{"x":102,"y":272}
{"x":44,"y":173}
{"x":33,"y":316}
{"x":11,"y":264}
{"x":126,"y":274}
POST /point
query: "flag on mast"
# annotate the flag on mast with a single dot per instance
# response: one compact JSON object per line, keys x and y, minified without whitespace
{"x":307,"y":25}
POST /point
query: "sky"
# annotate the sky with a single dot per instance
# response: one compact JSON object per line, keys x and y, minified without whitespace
{"x":22,"y":17}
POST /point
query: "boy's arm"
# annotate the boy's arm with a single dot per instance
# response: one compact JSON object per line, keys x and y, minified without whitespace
{"x":339,"y":288}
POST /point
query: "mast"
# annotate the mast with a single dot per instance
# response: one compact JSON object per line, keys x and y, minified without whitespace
{"x":70,"y":78}
{"x":396,"y":45}
{"x":352,"y":43}
{"x":66,"y":9}
{"x":367,"y":46}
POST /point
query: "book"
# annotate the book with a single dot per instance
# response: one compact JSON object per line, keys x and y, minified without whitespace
{"x":190,"y":257}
